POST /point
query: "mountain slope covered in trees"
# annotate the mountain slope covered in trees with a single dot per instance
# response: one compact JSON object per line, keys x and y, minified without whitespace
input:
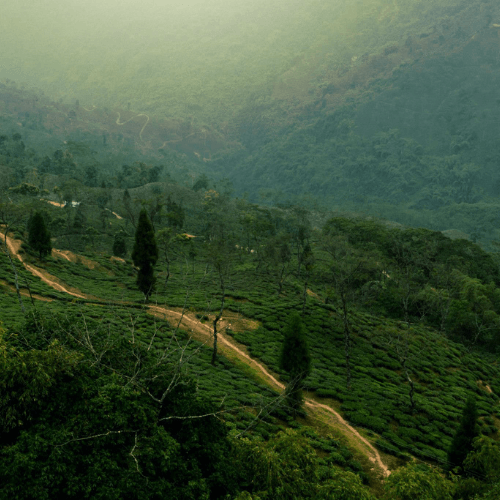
{"x":388,"y":108}
{"x":413,"y":314}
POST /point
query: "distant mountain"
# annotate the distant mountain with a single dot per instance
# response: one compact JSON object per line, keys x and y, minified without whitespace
{"x":388,"y":107}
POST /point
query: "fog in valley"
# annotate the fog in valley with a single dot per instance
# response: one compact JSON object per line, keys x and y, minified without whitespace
{"x":384,"y":107}
{"x":250,"y":249}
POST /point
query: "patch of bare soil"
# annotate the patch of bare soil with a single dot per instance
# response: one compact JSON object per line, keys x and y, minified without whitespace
{"x":118,"y":259}
{"x":13,"y":245}
{"x":61,"y":254}
{"x":484,"y":387}
{"x":56,"y":283}
{"x":78,"y":259}
{"x":203,"y":332}
{"x":114,"y":213}
{"x":60,"y":205}
{"x":313,"y":294}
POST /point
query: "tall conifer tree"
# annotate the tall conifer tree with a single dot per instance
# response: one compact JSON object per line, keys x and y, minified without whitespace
{"x":145,"y":254}
{"x":295,"y":359}
{"x":39,"y":235}
{"x":119,"y":244}
{"x":461,"y":445}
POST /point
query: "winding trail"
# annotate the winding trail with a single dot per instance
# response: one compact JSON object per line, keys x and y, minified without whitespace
{"x":173,"y":141}
{"x":14,"y":246}
{"x":353,"y":436}
{"x":118,"y":122}
{"x":201,"y":330}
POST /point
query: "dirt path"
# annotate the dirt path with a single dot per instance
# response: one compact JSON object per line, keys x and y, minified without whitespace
{"x":114,"y":213}
{"x":14,"y":246}
{"x":205,"y":332}
{"x":118,"y":122}
{"x":353,"y":436}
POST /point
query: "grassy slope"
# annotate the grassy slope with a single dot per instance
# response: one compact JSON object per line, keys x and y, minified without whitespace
{"x":444,"y":372}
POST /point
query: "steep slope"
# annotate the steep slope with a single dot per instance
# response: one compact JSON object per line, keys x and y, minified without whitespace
{"x":204,"y":333}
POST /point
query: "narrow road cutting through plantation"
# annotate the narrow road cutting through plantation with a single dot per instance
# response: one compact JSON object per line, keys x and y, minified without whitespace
{"x":195,"y":326}
{"x":201,"y":331}
{"x":14,"y":247}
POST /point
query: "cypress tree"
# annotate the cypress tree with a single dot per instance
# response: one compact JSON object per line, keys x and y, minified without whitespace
{"x":295,"y":359}
{"x":119,"y":244}
{"x":39,"y":235}
{"x":468,"y":429}
{"x":145,"y":254}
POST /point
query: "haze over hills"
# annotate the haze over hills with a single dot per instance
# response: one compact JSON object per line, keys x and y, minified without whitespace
{"x":385,"y":107}
{"x":270,"y":324}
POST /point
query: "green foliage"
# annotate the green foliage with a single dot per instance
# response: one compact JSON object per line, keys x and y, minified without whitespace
{"x":458,"y":274}
{"x":145,"y":254}
{"x":418,"y":481}
{"x":74,"y":425}
{"x":175,"y":214}
{"x":468,"y":430}
{"x":483,"y":460}
{"x":295,"y":359}
{"x":26,"y":189}
{"x":27,"y":378}
{"x":287,"y":467}
{"x":119,"y":244}
{"x":39,"y":235}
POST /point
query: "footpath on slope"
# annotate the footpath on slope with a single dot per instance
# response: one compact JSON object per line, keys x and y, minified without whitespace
{"x":14,"y":247}
{"x":204,"y":331}
{"x":194,"y":325}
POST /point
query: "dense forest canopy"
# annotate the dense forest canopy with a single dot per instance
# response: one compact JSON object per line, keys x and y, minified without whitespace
{"x":382,"y":107}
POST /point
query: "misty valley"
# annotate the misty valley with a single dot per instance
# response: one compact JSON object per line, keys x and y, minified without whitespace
{"x":250,"y":250}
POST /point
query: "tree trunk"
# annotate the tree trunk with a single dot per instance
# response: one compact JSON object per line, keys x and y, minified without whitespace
{"x":216,"y":320}
{"x":347,"y":338}
{"x":15,"y":274}
{"x":304,"y":297}
{"x":412,"y":385}
{"x":168,"y":269}
{"x":299,"y":260}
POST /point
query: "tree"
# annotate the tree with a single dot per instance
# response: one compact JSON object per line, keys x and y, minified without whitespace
{"x":80,"y":220}
{"x":278,"y":255}
{"x":119,"y":244}
{"x":167,"y":240}
{"x":467,"y":431}
{"x":7,"y":217}
{"x":286,"y":466}
{"x":175,"y":214}
{"x":201,"y":183}
{"x":145,"y":254}
{"x":219,"y":256}
{"x":127,"y":420}
{"x":349,"y":271}
{"x":307,"y":259}
{"x":295,"y":359}
{"x":127,"y":203}
{"x":482,"y":467}
{"x":484,"y":459}
{"x":418,"y":481}
{"x":39,"y":235}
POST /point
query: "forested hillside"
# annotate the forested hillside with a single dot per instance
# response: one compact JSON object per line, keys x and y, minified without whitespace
{"x":387,"y":108}
{"x":249,"y":250}
{"x":101,"y":374}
